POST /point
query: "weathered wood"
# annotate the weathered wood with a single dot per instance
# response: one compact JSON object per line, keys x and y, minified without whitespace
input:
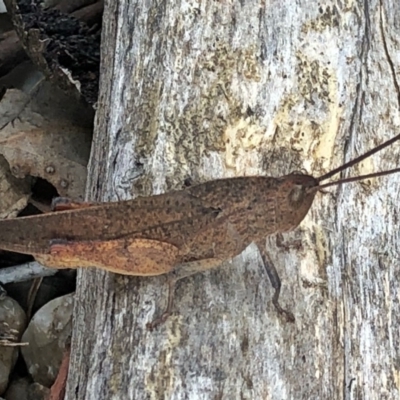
{"x":211,"y":89}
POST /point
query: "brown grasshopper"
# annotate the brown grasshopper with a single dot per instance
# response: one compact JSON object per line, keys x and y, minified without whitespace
{"x":178,"y":233}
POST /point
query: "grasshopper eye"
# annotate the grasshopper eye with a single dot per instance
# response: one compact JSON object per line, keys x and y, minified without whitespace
{"x":296,"y":195}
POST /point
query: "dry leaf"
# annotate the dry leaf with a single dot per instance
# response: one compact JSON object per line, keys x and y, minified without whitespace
{"x":14,"y":193}
{"x":55,"y":150}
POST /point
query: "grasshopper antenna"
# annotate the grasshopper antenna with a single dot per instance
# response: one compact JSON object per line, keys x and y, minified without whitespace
{"x":354,"y":162}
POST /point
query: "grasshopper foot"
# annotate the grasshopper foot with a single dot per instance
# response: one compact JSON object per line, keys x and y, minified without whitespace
{"x":276,"y":284}
{"x":286,"y":313}
{"x":158,"y":321}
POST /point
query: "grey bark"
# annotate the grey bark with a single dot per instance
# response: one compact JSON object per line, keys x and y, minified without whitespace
{"x":213,"y":89}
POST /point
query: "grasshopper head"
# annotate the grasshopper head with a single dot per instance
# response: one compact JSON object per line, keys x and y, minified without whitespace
{"x":296,"y":192}
{"x":295,"y":195}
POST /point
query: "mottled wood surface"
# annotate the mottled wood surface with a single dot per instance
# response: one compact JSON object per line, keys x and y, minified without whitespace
{"x":208,"y":89}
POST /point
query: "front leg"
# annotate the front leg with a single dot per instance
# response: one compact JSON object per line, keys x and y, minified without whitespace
{"x":274,"y":279}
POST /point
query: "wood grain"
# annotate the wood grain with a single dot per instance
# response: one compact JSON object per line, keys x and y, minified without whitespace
{"x":217,"y":89}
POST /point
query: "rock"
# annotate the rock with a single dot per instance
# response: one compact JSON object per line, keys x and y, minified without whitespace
{"x":18,"y":390}
{"x":51,"y":288}
{"x":38,"y":392}
{"x":47,"y":334}
{"x":12,"y":324}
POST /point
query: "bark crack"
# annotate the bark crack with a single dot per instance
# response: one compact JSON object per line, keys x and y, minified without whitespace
{"x":356,"y":117}
{"x":357,"y":111}
{"x":387,"y":54}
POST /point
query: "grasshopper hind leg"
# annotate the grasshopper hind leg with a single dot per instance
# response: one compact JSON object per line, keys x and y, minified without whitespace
{"x":181,"y":271}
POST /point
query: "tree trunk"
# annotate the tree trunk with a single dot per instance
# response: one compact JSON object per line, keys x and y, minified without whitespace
{"x":209,"y":89}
